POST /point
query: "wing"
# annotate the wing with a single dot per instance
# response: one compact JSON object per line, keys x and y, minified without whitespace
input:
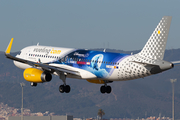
{"x":45,"y":67}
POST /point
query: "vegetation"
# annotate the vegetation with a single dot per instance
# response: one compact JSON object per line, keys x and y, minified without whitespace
{"x":101,"y":113}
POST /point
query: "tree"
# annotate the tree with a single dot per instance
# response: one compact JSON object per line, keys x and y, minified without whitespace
{"x":101,"y":113}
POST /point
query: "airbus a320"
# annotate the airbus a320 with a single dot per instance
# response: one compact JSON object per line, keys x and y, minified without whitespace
{"x":41,"y":62}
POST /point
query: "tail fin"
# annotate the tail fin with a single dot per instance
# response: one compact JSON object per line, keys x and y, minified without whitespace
{"x":155,"y":46}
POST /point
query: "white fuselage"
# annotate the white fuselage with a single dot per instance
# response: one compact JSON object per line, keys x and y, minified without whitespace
{"x":90,"y":64}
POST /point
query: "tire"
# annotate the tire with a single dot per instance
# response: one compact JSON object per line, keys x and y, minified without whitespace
{"x":108,"y":89}
{"x":61,"y":88}
{"x":33,"y":84}
{"x":67,"y":88}
{"x":103,"y":89}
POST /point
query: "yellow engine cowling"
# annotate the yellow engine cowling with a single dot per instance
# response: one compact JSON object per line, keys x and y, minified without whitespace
{"x":36,"y":75}
{"x":96,"y":81}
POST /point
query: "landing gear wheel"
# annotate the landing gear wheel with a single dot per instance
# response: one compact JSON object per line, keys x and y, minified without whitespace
{"x":103,"y":89}
{"x":108,"y":89}
{"x":67,"y":89}
{"x":61,"y":88}
{"x":33,"y":84}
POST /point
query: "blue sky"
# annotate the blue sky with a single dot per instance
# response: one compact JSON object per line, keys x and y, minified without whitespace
{"x":117,"y":24}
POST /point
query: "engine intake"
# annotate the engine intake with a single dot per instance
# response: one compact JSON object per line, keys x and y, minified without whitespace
{"x":36,"y":75}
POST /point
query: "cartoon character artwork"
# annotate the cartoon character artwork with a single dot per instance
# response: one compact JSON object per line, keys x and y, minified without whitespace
{"x":96,"y":61}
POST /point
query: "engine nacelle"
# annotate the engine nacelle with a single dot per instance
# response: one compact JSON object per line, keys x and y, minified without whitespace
{"x":36,"y":75}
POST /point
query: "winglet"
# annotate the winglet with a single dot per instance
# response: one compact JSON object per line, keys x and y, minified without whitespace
{"x":8,"y":50}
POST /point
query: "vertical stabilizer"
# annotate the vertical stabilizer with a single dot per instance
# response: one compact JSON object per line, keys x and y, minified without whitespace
{"x":155,"y":46}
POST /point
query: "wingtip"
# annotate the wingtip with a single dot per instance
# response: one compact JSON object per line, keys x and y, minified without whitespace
{"x":8,"y":50}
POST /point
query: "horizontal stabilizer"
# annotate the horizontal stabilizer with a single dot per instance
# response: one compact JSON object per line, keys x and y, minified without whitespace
{"x":176,"y":62}
{"x":145,"y":64}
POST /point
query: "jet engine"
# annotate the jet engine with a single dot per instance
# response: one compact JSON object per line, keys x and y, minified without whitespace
{"x":36,"y":76}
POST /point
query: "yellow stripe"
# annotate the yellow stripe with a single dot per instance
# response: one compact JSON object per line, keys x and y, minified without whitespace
{"x":8,"y":50}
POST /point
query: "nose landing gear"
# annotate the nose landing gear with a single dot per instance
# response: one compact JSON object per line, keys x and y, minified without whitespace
{"x":33,"y":84}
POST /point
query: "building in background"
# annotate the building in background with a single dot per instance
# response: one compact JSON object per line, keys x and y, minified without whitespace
{"x":66,"y":117}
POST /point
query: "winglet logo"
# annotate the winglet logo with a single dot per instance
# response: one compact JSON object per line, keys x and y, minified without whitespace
{"x":55,"y":51}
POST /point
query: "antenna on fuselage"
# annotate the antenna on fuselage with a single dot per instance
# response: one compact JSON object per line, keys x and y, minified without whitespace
{"x":104,"y":50}
{"x":37,"y":44}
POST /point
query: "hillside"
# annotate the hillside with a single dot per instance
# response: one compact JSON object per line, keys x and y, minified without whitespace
{"x":132,"y":99}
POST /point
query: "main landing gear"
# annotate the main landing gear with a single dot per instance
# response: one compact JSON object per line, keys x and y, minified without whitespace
{"x":64,"y":88}
{"x":105,"y":89}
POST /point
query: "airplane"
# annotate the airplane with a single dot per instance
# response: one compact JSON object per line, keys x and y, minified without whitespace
{"x":99,"y":67}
